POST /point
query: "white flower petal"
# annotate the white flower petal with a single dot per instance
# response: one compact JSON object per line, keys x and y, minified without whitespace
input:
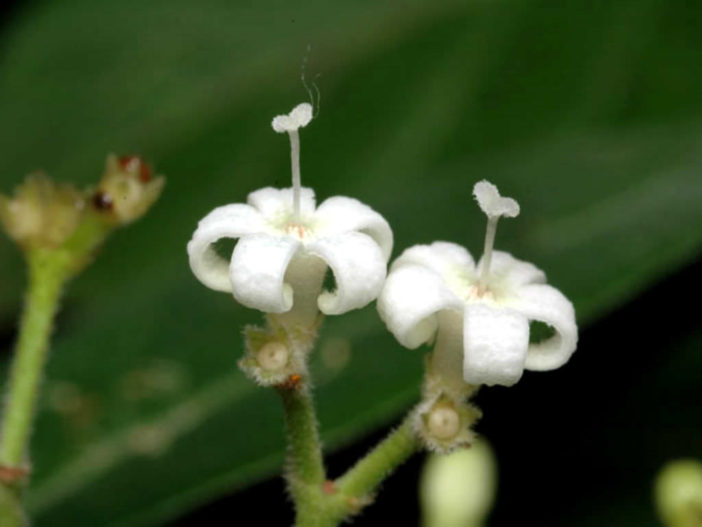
{"x":506,"y":269}
{"x":495,"y":342}
{"x":229,"y":221}
{"x":272,"y":202}
{"x":341,"y":214}
{"x":299,"y":117}
{"x":547,"y":304}
{"x":257,"y":270}
{"x":411,"y":298}
{"x":359,"y":268}
{"x":440,"y":257}
{"x":492,"y":203}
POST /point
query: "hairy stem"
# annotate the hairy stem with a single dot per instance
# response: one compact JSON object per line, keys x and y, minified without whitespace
{"x":304,"y":450}
{"x":48,"y":271}
{"x":361,"y":481}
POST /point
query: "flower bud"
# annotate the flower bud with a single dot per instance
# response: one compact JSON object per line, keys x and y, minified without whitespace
{"x":127,"y":189}
{"x":458,"y":489}
{"x":679,"y":493}
{"x":42,"y":213}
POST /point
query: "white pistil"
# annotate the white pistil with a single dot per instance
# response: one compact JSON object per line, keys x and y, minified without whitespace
{"x":487,"y":252}
{"x":299,"y":117}
{"x":494,"y":206}
{"x":295,"y":164}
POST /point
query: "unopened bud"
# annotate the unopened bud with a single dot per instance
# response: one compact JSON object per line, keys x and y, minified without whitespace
{"x":127,"y":189}
{"x":42,"y":213}
{"x":679,"y":493}
{"x":458,"y":489}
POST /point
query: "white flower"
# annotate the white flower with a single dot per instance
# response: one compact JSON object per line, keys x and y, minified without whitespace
{"x":286,"y":243}
{"x":480,"y":314}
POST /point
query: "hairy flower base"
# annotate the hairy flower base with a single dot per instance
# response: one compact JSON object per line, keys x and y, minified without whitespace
{"x":278,"y":352}
{"x":444,"y":424}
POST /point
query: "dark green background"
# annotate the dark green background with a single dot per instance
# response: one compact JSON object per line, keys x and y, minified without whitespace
{"x":589,"y":113}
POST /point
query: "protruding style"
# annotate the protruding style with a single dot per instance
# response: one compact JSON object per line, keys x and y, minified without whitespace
{"x":478,"y":315}
{"x":286,"y":243}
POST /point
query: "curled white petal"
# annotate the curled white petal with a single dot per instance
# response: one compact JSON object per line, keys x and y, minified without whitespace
{"x":299,"y":117}
{"x":359,"y":268}
{"x":492,"y":203}
{"x":411,"y":298}
{"x":505,"y":269}
{"x":495,"y":343}
{"x":257,"y":272}
{"x":341,"y":214}
{"x":278,"y":202}
{"x":229,"y":221}
{"x":441,"y":257}
{"x":547,"y":304}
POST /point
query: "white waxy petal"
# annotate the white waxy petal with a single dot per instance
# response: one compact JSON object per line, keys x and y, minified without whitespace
{"x":277,"y":203}
{"x":299,"y":117}
{"x":359,"y":268}
{"x":443,"y":258}
{"x":492,"y":203}
{"x":257,"y":270}
{"x":411,"y":298}
{"x":506,"y":269}
{"x":341,"y":214}
{"x":495,"y":343}
{"x":547,"y":304}
{"x":229,"y":221}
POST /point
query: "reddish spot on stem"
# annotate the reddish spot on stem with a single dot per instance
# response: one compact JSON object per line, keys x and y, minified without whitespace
{"x":328,"y":487}
{"x":12,"y":474}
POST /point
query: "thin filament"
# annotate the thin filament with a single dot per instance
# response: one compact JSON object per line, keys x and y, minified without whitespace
{"x":295,"y":164}
{"x":487,"y":250}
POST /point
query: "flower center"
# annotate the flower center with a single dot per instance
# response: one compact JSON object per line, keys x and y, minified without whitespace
{"x":297,"y":230}
{"x":478,"y":292}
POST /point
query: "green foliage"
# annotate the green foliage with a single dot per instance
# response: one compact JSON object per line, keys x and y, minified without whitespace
{"x":588,"y":113}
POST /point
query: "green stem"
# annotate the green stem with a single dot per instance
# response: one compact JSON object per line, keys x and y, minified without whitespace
{"x":364,"y":478}
{"x":48,"y":271}
{"x":305,"y":471}
{"x":305,"y":452}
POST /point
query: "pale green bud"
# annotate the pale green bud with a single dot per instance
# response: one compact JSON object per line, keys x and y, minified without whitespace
{"x":458,"y":489}
{"x":679,"y":493}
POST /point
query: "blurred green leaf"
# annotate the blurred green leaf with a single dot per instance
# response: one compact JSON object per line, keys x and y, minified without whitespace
{"x":588,"y":113}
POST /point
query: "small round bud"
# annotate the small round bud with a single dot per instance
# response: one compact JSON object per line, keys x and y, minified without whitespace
{"x":443,"y":422}
{"x":273,"y":356}
{"x":458,"y":489}
{"x":679,"y":493}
